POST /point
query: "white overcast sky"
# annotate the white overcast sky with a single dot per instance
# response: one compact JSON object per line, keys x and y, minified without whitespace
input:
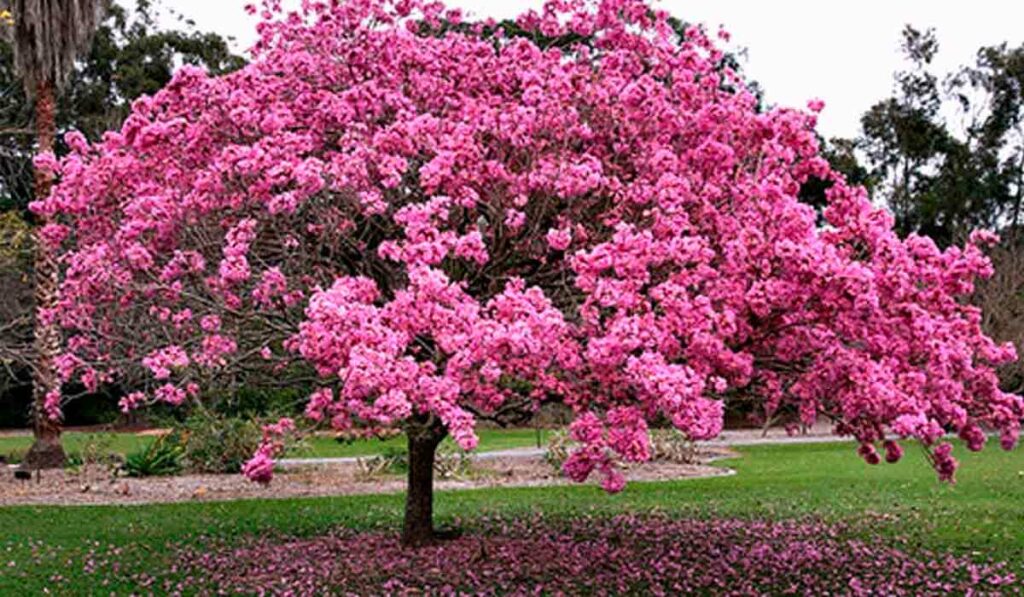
{"x":841,"y":51}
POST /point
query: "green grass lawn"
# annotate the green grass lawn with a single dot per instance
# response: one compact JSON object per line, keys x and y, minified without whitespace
{"x":982,"y":515}
{"x":76,"y":442}
{"x":318,"y":447}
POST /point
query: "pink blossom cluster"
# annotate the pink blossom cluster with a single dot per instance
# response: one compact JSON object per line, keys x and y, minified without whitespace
{"x":162,"y":362}
{"x":454,"y":222}
{"x":260,"y":468}
{"x":52,"y":405}
{"x":623,"y":555}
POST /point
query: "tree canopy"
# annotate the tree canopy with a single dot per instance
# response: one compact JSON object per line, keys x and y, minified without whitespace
{"x":447,"y":228}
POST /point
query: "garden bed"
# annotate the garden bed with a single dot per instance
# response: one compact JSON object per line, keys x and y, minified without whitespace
{"x":96,"y":485}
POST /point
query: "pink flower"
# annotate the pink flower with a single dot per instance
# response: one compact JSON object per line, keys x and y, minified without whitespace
{"x":559,"y":239}
{"x":943,"y":461}
{"x":984,"y":238}
{"x":259,"y":468}
{"x":53,"y":234}
{"x":170,"y":394}
{"x":869,"y":454}
{"x":161,"y":362}
{"x":131,"y":402}
{"x":472,"y":247}
{"x":52,"y":405}
{"x":893,"y":451}
{"x":515,"y":219}
{"x":613,"y":481}
{"x":210,"y":323}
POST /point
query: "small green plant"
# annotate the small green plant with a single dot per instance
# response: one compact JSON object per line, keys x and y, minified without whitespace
{"x":96,"y":450}
{"x":73,"y":460}
{"x":161,"y":458}
{"x":15,"y":456}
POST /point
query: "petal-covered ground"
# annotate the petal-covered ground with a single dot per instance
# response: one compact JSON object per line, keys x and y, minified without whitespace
{"x":621,"y":555}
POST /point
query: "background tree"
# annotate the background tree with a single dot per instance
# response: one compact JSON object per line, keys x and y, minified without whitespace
{"x":991,"y":96}
{"x":448,"y":227}
{"x":946,"y":155}
{"x":130,"y":56}
{"x":15,"y":286}
{"x":47,"y":39}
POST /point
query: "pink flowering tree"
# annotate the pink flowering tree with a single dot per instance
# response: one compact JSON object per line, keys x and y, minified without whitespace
{"x":449,"y":222}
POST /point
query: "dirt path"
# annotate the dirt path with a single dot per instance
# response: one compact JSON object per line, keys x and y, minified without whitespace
{"x":97,"y":486}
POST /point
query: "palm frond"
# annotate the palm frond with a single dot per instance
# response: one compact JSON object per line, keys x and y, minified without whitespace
{"x":49,"y":35}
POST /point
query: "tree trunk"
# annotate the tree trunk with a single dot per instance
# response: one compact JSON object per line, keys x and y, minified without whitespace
{"x":46,"y":451}
{"x":418,"y":529}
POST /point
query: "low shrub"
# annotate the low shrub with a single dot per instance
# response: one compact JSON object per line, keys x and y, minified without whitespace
{"x":219,"y":444}
{"x":392,"y":461}
{"x":560,"y":445}
{"x":452,"y":462}
{"x":161,"y":458}
{"x":97,"y":450}
{"x":668,"y":445}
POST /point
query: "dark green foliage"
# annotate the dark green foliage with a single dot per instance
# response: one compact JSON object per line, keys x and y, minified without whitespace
{"x":160,"y":458}
{"x":249,"y":401}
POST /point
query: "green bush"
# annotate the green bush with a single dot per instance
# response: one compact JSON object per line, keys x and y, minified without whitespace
{"x":218,"y":444}
{"x":162,"y":457}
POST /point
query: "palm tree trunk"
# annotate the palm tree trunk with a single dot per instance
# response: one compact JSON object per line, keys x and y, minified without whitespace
{"x":46,"y":451}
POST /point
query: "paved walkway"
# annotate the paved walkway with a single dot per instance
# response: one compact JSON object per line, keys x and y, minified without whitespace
{"x":741,"y":437}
